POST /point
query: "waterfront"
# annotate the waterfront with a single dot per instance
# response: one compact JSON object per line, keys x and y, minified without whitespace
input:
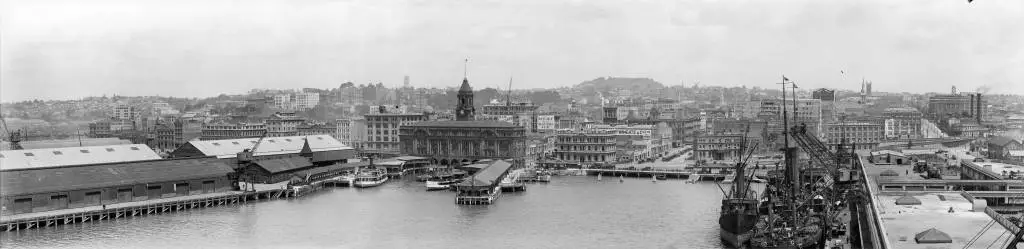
{"x":569,"y":212}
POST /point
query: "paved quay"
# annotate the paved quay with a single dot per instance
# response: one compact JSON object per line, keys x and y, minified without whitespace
{"x":900,"y":223}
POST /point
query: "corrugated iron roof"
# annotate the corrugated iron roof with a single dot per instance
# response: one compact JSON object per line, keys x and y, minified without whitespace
{"x":489,"y":175}
{"x":1001,"y":141}
{"x":229,"y":148}
{"x":46,"y":144}
{"x":283,"y":164}
{"x":68,"y":156}
{"x":47,"y":180}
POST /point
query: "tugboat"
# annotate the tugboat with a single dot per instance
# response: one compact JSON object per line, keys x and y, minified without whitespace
{"x":739,"y":211}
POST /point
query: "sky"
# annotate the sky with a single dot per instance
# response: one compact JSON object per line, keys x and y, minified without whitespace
{"x":197,"y":48}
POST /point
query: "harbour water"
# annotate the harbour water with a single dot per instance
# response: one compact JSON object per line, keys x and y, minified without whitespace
{"x":569,"y":212}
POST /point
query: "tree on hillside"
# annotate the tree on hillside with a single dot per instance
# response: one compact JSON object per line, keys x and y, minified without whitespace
{"x":544,"y":97}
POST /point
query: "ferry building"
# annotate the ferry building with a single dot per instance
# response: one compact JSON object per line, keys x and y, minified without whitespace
{"x":465,"y":140}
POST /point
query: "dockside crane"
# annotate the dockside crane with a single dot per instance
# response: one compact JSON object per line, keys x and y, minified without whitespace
{"x":12,"y":137}
{"x":249,"y":155}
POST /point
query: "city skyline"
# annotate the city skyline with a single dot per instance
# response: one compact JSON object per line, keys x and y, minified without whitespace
{"x":69,"y":50}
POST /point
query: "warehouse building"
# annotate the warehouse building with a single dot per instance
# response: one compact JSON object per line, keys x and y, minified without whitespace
{"x":28,"y":189}
{"x":323,"y":149}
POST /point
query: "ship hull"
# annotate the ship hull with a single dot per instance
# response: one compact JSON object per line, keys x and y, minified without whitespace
{"x":734,"y":240}
{"x":735,"y":229}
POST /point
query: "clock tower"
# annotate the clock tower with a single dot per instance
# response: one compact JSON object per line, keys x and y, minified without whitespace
{"x":464,"y":111}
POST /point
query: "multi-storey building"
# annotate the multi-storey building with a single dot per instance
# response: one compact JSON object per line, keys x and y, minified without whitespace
{"x":319,"y":128}
{"x":382,"y":136}
{"x":283,"y":124}
{"x":902,"y":122}
{"x":283,"y":101}
{"x":1005,"y":148}
{"x":546,"y":122}
{"x":578,"y":148}
{"x":509,"y":108}
{"x":717,"y":147}
{"x":172,"y":134}
{"x":217,"y":131}
{"x":123,"y":112}
{"x":351,"y":131}
{"x":306,"y":100}
{"x":100,"y":129}
{"x":755,"y":131}
{"x":865,"y":135}
{"x":824,"y":94}
{"x":962,"y":105}
{"x":464,"y":140}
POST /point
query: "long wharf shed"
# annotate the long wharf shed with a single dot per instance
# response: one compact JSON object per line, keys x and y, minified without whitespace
{"x":60,"y":179}
{"x":277,"y":159}
{"x":322,"y":149}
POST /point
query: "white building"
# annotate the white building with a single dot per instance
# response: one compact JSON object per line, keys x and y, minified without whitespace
{"x":283,"y":101}
{"x":123,"y":112}
{"x":546,"y":122}
{"x":304,"y":100}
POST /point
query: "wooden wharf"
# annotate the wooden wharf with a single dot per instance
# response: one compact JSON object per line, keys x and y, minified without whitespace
{"x":126,"y":210}
{"x":677,"y":174}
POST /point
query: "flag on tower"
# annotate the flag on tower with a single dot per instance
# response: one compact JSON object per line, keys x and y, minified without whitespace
{"x":784,"y":78}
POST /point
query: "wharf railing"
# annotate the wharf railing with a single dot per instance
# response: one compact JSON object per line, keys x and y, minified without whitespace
{"x":1002,"y":220}
{"x":23,"y":221}
{"x":879,"y":238}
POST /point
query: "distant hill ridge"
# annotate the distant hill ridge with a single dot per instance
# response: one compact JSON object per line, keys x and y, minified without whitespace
{"x":609,"y":83}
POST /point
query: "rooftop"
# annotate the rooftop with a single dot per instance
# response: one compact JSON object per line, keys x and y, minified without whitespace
{"x":229,"y":148}
{"x":59,"y":157}
{"x":904,"y":221}
{"x":488,"y":175}
{"x":475,"y":123}
{"x":46,"y":144}
{"x":44,"y":180}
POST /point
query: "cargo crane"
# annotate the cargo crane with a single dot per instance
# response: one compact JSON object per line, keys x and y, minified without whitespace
{"x":12,"y":137}
{"x":248,"y":156}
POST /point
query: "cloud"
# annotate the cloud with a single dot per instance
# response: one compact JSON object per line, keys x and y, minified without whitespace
{"x":204,"y":48}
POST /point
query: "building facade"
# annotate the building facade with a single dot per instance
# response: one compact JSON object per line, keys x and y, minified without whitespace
{"x":574,"y":149}
{"x":283,"y":124}
{"x":902,"y":123}
{"x":865,"y":135}
{"x":464,"y":140}
{"x":351,"y":131}
{"x":218,"y":131}
{"x":382,"y":131}
{"x":717,"y":147}
{"x":962,"y":105}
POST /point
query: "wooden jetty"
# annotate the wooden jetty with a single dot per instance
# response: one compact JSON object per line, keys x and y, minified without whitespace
{"x":486,"y":185}
{"x":134,"y":209}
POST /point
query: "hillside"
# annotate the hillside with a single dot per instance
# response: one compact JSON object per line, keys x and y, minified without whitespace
{"x":604,"y":84}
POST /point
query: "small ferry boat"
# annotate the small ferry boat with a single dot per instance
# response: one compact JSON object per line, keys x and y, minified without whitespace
{"x":434,"y":185}
{"x":370,"y":178}
{"x":544,"y":178}
{"x":661,"y":176}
